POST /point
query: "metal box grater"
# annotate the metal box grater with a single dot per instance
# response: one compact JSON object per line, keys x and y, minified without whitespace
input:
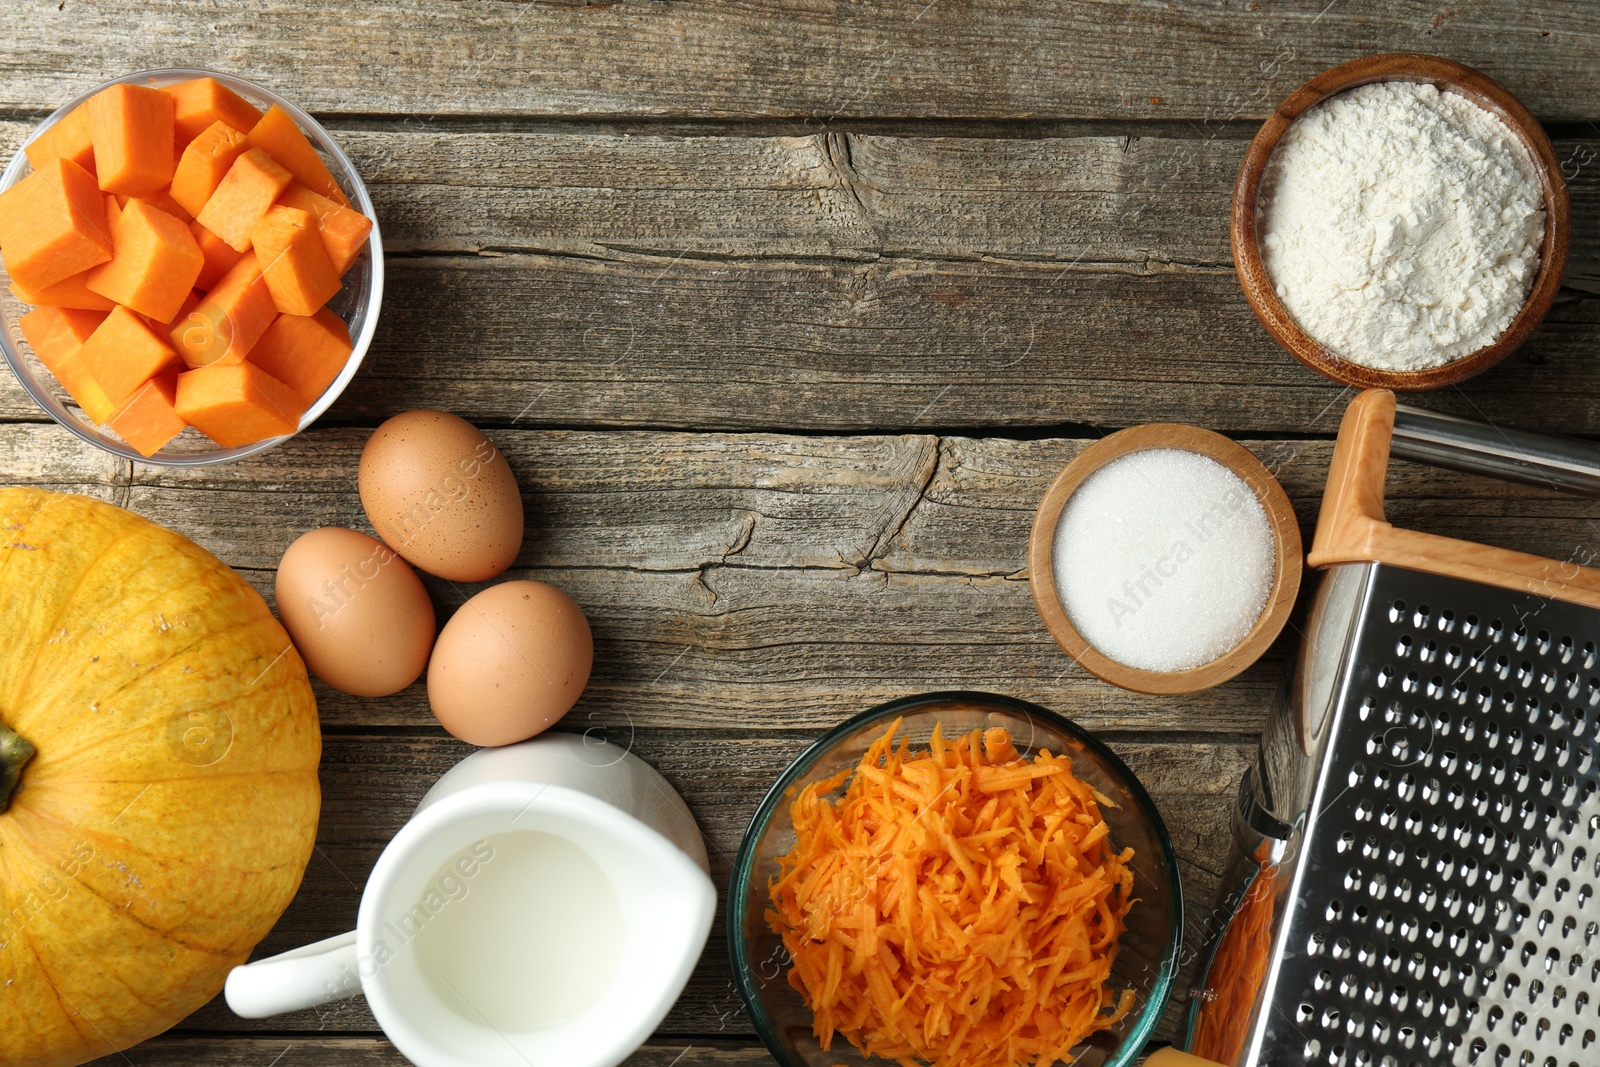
{"x":1417,"y":849}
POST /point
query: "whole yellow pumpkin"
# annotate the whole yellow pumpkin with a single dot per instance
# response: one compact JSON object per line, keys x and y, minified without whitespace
{"x":158,"y":775}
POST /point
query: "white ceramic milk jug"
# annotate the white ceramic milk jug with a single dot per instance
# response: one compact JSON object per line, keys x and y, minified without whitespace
{"x":545,"y":904}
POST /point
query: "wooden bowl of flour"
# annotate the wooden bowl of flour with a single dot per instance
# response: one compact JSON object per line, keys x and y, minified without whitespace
{"x":1447,"y":76}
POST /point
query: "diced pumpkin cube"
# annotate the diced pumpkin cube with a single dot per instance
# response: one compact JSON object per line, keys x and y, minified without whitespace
{"x":147,"y":420}
{"x":74,"y":377}
{"x":245,"y":194}
{"x":230,"y":320}
{"x":162,"y":201}
{"x":220,"y":256}
{"x":165,"y":326}
{"x":132,"y":130}
{"x":204,"y":163}
{"x":200,"y":102}
{"x":344,"y":230}
{"x":80,"y":385}
{"x":304,"y":352}
{"x":278,"y":135}
{"x":53,"y":225}
{"x":123,"y":353}
{"x":155,"y":264}
{"x":67,"y":293}
{"x":67,"y":139}
{"x":294,"y":260}
{"x":237,"y":404}
{"x":53,"y":332}
{"x":56,"y":337}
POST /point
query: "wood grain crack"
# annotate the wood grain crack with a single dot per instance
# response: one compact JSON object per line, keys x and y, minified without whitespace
{"x":907,"y":259}
{"x":927,"y":470}
{"x":837,"y":149}
{"x":121,"y":482}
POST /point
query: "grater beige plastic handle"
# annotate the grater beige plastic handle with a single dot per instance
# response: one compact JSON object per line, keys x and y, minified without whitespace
{"x":1352,"y":529}
{"x":1171,"y":1057}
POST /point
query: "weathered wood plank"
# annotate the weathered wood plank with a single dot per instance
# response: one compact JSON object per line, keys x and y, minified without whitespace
{"x":890,"y":344}
{"x":1095,"y":199}
{"x":1143,"y":201}
{"x":1006,"y":59}
{"x":854,"y":282}
{"x":772,"y":581}
{"x":1100,"y":199}
{"x":316,"y":1050}
{"x":371,"y":784}
{"x":887,"y":345}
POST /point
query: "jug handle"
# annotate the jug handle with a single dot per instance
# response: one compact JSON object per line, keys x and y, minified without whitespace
{"x":300,"y":978}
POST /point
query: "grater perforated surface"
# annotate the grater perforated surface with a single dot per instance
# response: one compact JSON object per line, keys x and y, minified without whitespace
{"x":1446,"y":909}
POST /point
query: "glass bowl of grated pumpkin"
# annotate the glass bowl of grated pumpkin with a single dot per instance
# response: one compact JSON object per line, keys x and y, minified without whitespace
{"x":957,"y":880}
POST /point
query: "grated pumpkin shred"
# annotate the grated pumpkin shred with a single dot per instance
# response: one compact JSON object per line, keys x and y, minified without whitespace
{"x":959,"y":908}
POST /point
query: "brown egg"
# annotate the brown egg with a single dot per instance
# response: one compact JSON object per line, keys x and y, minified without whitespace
{"x":359,"y":615}
{"x":439,"y":492}
{"x":509,"y":663}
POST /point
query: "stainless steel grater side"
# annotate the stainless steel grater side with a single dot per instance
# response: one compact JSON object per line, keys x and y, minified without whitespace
{"x":1417,"y":848}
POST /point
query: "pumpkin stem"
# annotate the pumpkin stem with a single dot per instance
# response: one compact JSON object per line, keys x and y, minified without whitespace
{"x":15,"y":752}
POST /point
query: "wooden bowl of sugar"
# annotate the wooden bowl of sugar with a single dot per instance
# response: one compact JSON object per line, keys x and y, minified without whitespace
{"x":1417,"y":316}
{"x":1164,"y":558}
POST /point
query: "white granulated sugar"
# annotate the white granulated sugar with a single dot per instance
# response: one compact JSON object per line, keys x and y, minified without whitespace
{"x":1163,"y":559}
{"x":1400,"y":225}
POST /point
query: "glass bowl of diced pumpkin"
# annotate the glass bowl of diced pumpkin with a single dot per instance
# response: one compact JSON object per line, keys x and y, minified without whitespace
{"x":191,"y":267}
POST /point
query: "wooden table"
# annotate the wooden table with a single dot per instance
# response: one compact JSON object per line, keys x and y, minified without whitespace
{"x":785,"y":314}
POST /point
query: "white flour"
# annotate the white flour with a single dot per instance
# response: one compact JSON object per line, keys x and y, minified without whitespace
{"x":1400,"y":225}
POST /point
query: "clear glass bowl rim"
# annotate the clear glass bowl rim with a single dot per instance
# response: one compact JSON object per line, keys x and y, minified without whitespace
{"x":1132,"y":1046}
{"x":374,"y":298}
